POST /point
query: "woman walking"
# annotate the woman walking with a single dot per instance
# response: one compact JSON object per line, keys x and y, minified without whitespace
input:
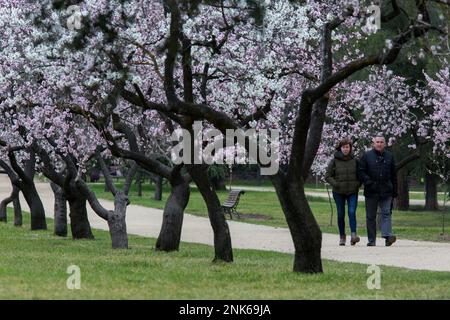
{"x":342,"y":175}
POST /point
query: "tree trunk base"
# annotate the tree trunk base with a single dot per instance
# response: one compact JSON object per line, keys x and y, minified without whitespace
{"x":308,"y":262}
{"x":3,"y":215}
{"x":60,"y":215}
{"x":402,"y":201}
{"x":17,"y":212}
{"x":170,"y":234}
{"x":223,"y":249}
{"x":431,"y":192}
{"x":118,"y":232}
{"x":79,"y":223}
{"x":117,"y":224}
{"x":37,"y":211}
{"x":303,"y":226}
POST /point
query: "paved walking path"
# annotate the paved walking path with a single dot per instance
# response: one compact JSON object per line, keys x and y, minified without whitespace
{"x":145,"y":221}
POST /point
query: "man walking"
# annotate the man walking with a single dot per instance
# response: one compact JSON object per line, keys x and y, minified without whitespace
{"x":377,"y":173}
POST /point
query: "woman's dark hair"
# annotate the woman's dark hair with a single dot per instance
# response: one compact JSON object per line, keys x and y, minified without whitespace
{"x":344,"y":142}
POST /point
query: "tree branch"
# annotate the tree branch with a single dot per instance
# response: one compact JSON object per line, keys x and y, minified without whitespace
{"x":106,"y":174}
{"x":92,"y":198}
{"x":130,"y":175}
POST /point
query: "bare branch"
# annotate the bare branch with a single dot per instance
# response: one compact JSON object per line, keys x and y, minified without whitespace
{"x":106,"y":174}
{"x":130,"y":175}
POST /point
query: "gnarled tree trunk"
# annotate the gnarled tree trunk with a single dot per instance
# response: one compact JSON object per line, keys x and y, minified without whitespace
{"x":79,"y":223}
{"x":304,"y":229}
{"x":402,"y":201}
{"x":170,"y":234}
{"x":158,"y":188}
{"x":3,"y":206}
{"x":22,"y":178}
{"x":116,"y":218}
{"x":106,"y":189}
{"x":139,"y":183}
{"x":431,"y":192}
{"x":60,"y":215}
{"x":14,"y":198}
{"x":116,"y":222}
{"x":34,"y":202}
{"x":17,"y":211}
{"x":222,"y":239}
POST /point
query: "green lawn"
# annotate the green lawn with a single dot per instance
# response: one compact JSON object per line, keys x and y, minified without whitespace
{"x":416,"y":192}
{"x":33,"y":265}
{"x":415,"y":224}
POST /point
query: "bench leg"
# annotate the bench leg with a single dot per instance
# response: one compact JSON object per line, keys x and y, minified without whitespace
{"x":227,"y":211}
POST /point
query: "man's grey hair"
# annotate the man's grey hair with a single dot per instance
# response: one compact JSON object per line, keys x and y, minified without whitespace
{"x":379,"y":136}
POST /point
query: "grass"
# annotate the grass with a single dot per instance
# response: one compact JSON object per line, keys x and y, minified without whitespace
{"x":33,"y":265}
{"x":415,"y":194}
{"x":414,"y":224}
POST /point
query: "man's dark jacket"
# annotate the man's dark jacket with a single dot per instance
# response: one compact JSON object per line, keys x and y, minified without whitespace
{"x":377,"y":173}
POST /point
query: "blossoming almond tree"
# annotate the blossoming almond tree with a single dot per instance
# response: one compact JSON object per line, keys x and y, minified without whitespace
{"x":18,"y":161}
{"x":210,"y":64}
{"x":29,"y":78}
{"x":106,"y":73}
{"x":232,"y":76}
{"x":16,"y":157}
{"x":304,"y":134}
{"x":63,"y":152}
{"x":308,"y":120}
{"x":436,"y":128}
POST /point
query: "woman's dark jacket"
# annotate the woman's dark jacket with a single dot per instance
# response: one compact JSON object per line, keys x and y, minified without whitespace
{"x":342,"y":174}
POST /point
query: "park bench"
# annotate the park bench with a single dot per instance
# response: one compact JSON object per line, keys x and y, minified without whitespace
{"x":230,"y":205}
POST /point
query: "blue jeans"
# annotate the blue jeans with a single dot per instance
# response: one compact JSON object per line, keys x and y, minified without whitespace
{"x":352,"y":201}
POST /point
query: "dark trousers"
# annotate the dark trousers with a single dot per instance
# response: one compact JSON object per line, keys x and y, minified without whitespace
{"x":372,"y":204}
{"x":352,"y":202}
